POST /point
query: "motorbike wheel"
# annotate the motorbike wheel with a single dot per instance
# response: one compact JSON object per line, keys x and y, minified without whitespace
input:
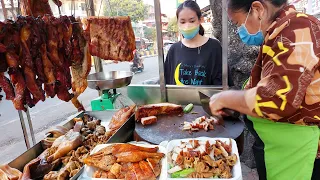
{"x":133,"y":69}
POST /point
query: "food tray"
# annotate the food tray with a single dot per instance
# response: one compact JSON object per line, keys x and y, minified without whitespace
{"x":123,"y":134}
{"x":236,"y":171}
{"x":88,"y":171}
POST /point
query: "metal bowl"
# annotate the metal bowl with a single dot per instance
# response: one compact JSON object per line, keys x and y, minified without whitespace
{"x":109,"y":80}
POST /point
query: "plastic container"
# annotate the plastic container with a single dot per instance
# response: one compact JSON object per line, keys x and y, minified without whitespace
{"x":89,"y":171}
{"x":236,"y":170}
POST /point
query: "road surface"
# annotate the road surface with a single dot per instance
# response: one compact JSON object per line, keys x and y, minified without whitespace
{"x":53,"y":111}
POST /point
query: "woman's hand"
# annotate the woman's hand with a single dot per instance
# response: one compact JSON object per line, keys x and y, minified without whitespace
{"x":216,"y":104}
{"x":229,"y":99}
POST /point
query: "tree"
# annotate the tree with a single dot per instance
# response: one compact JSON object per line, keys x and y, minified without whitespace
{"x":173,"y":25}
{"x":136,"y":9}
{"x":150,"y":33}
{"x":173,"y":29}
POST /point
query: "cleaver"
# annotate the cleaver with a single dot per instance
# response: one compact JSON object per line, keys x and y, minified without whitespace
{"x":205,"y":100}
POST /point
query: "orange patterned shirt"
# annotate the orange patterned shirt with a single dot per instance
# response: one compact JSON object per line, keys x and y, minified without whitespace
{"x":285,"y":81}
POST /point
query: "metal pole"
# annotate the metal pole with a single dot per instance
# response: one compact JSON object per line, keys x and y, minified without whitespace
{"x":30,"y":126}
{"x":24,"y":130}
{"x":97,"y":61}
{"x":224,"y":46}
{"x":157,"y":11}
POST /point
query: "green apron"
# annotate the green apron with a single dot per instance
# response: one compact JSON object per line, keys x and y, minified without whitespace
{"x":289,"y":149}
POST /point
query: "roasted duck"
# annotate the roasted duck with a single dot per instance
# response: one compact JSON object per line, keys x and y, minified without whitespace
{"x":111,"y":38}
{"x":126,"y":161}
{"x":157,"y":109}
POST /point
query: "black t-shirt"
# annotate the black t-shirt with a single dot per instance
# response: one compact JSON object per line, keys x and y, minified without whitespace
{"x":194,"y":66}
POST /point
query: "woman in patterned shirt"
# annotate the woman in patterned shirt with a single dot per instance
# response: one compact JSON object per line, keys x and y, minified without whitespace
{"x":282,"y":97}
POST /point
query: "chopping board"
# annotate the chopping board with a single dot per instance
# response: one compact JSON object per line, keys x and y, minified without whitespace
{"x":170,"y":127}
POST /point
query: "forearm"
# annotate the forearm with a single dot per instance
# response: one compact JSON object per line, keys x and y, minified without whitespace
{"x":235,"y":100}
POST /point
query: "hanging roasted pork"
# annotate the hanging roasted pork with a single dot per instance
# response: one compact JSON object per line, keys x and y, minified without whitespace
{"x":111,"y":38}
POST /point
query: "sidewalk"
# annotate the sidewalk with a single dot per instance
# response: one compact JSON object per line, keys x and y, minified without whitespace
{"x":249,"y":174}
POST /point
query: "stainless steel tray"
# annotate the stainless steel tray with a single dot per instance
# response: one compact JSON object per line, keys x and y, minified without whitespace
{"x":109,"y":80}
{"x":124,"y":134}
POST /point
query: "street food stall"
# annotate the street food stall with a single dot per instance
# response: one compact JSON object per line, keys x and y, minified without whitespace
{"x":161,"y":123}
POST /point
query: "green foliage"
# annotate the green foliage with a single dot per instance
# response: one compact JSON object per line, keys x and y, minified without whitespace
{"x":173,"y":25}
{"x":150,"y":33}
{"x":136,"y":9}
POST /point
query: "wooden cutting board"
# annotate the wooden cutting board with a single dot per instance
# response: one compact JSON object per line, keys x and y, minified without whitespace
{"x":169,"y":127}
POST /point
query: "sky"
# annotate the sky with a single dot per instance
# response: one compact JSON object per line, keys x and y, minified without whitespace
{"x":169,"y":6}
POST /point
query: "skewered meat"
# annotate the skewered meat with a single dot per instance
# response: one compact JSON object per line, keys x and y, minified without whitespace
{"x":120,"y":117}
{"x":157,"y":109}
{"x":111,"y":38}
{"x":7,"y":87}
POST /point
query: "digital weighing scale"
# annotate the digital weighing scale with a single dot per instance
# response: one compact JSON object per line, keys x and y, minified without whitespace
{"x":107,"y":83}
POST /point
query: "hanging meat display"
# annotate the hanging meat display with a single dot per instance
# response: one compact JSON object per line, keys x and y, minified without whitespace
{"x":47,"y":56}
{"x":38,"y":54}
{"x":111,"y":38}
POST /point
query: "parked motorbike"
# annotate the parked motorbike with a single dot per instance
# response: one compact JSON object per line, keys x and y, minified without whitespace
{"x":137,"y":65}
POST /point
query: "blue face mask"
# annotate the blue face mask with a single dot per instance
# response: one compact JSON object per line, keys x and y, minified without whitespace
{"x":250,"y":39}
{"x":190,"y":33}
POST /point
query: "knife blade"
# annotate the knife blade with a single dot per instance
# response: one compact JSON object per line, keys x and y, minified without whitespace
{"x":205,"y":100}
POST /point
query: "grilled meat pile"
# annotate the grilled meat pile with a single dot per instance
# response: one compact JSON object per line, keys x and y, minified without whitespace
{"x":38,"y":54}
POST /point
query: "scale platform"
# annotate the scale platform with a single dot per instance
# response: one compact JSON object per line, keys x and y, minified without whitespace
{"x":107,"y":83}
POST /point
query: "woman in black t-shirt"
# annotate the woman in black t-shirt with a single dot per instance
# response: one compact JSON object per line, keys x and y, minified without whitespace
{"x":196,"y":60}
